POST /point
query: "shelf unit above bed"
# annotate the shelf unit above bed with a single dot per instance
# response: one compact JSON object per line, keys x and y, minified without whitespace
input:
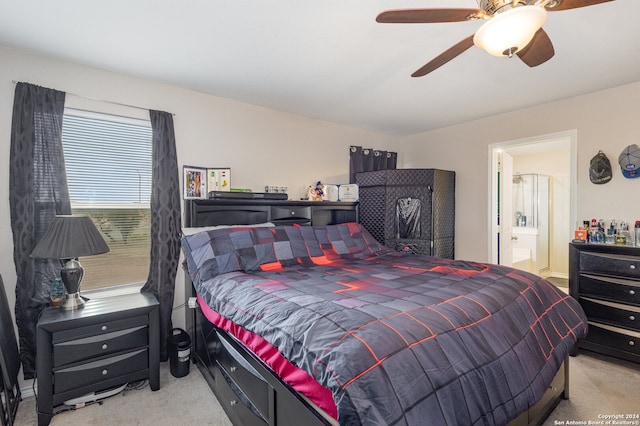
{"x":233,"y":211}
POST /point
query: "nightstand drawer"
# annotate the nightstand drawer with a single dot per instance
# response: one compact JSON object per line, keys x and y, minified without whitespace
{"x":100,"y":370}
{"x":100,"y":345}
{"x":614,"y":337}
{"x":98,"y":329}
{"x":608,"y":288}
{"x":612,"y":313}
{"x":613,"y":264}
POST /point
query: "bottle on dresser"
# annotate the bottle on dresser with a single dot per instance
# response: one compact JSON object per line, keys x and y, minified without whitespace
{"x":611,"y":233}
{"x":597,"y":231}
{"x":624,"y":236}
{"x":636,"y":230}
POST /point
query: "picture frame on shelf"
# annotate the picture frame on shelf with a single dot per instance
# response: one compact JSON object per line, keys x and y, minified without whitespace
{"x":194,"y":183}
{"x":219,"y":179}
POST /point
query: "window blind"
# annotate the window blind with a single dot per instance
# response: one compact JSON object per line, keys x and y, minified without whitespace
{"x":108,"y":164}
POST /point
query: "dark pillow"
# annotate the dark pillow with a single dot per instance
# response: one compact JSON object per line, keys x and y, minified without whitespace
{"x":348,"y":239}
{"x":219,"y":251}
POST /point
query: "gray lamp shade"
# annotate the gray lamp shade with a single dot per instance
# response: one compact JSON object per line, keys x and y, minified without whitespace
{"x":70,"y":237}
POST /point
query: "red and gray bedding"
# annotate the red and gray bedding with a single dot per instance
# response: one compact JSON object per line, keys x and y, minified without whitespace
{"x":396,"y":339}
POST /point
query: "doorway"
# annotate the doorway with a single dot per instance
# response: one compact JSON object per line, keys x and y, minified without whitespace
{"x":542,"y":245}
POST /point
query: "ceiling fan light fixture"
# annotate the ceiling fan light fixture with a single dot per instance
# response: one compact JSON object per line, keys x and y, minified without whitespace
{"x":510,"y":31}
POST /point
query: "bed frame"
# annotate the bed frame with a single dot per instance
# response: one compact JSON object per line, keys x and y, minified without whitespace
{"x":248,"y":390}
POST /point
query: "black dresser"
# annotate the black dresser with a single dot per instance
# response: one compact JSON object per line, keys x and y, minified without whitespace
{"x":605,"y":279}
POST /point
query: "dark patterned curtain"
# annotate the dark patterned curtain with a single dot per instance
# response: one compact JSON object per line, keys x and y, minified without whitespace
{"x":37,"y":192}
{"x":370,"y":160}
{"x":165,"y":221}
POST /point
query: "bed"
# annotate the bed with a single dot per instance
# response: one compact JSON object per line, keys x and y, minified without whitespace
{"x":322,"y":325}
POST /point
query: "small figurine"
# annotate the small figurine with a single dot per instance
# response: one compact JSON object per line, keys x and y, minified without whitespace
{"x":315,"y":194}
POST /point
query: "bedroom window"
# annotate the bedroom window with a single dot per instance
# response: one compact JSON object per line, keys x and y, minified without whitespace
{"x":108,"y":164}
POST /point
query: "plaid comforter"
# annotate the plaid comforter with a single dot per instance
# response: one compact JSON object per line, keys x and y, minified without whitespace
{"x":397,"y":339}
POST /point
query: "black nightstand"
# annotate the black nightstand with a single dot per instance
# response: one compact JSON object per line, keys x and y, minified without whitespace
{"x":107,"y":343}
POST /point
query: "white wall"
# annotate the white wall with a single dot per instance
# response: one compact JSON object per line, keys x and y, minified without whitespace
{"x":262,"y":146}
{"x":604,"y":120}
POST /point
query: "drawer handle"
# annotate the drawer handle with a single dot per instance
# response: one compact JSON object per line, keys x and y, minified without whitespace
{"x":233,"y":402}
{"x":292,"y":213}
{"x":631,"y":343}
{"x":105,"y":372}
{"x":104,"y":346}
{"x":233,"y":369}
{"x":632,"y":266}
{"x":632,"y":292}
{"x":632,"y":317}
{"x":104,"y":328}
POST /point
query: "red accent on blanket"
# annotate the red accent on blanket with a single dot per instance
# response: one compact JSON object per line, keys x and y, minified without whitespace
{"x":298,"y":379}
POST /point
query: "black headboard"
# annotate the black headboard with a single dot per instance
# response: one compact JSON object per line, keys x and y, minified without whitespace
{"x":199,"y":213}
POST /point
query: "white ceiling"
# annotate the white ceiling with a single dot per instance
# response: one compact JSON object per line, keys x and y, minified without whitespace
{"x":329,"y":59}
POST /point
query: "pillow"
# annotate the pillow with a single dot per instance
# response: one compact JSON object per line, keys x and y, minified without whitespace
{"x":221,"y":250}
{"x":348,"y":239}
{"x":232,"y":248}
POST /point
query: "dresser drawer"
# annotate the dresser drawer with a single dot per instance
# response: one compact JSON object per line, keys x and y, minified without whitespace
{"x":609,"y":288}
{"x":612,"y":313}
{"x":611,"y":264}
{"x":97,"y":329}
{"x":614,"y":337}
{"x":245,"y":376}
{"x":99,"y":370}
{"x":100,"y":345}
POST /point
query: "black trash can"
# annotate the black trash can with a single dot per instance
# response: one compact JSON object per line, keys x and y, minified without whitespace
{"x":179,"y":347}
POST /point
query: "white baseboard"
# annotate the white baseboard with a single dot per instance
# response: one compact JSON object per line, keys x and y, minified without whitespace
{"x":27,"y":390}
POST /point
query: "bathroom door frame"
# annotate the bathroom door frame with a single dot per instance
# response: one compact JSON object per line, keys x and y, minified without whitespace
{"x":494,"y":150}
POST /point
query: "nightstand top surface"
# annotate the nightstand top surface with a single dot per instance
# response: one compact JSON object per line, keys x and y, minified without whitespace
{"x":100,"y":307}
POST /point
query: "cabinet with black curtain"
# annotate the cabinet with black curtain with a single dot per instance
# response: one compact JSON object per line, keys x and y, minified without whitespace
{"x":410,"y":210}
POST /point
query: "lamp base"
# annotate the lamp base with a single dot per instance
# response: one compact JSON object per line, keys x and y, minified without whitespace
{"x":73,"y":301}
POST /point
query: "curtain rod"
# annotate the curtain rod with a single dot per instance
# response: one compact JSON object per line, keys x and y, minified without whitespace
{"x":101,"y":100}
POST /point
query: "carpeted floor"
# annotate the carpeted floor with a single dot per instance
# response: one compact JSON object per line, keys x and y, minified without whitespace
{"x":560,"y":282}
{"x":179,"y":401}
{"x":599,"y":386}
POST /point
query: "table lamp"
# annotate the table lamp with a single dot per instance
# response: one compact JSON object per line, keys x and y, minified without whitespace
{"x":68,"y":238}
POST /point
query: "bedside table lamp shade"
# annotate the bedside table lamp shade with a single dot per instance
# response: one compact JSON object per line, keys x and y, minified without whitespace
{"x":68,"y":238}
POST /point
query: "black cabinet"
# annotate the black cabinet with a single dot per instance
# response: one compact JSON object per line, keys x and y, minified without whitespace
{"x":411,"y":210}
{"x":109,"y":342}
{"x":605,"y":279}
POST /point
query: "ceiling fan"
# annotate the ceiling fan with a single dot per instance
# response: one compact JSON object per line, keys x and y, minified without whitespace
{"x":511,"y":27}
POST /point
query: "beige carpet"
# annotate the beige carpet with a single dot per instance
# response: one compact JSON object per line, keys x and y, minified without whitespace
{"x":599,"y":386}
{"x":560,"y":282}
{"x":179,"y":401}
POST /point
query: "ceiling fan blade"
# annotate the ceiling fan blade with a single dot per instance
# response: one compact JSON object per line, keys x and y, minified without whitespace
{"x":573,"y":4}
{"x":427,"y":16}
{"x":538,"y":51}
{"x":445,"y":57}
